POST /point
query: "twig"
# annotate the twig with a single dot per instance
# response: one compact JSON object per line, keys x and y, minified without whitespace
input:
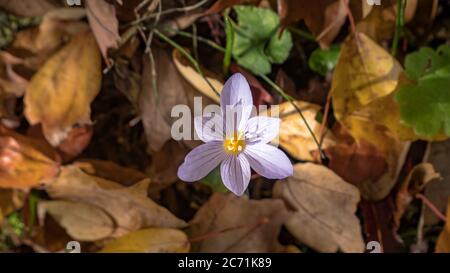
{"x":199,"y":38}
{"x":431,"y":206}
{"x":168,"y":11}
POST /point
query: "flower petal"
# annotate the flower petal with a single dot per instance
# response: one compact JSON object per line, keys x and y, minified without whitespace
{"x":201,"y":161}
{"x":261,"y":129}
{"x":235,"y":173}
{"x":209,"y":128}
{"x":268,"y":161}
{"x":236,"y":102}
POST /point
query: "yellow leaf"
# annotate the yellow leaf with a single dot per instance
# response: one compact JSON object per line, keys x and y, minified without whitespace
{"x":60,"y":93}
{"x":443,"y":242}
{"x":364,"y":73}
{"x":152,"y":240}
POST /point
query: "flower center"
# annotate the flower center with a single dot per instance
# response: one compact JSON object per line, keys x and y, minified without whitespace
{"x":234,"y":144}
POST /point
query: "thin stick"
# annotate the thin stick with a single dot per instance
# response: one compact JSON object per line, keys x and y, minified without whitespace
{"x":431,"y":206}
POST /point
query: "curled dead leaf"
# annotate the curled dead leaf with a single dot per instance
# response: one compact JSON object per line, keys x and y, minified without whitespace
{"x":130,"y":207}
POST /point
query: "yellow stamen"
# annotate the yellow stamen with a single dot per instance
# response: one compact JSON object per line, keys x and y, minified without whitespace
{"x":234,"y":144}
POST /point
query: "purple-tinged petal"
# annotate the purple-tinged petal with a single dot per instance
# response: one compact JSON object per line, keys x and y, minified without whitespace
{"x":209,"y":128}
{"x":235,"y":173}
{"x":268,"y":161}
{"x":201,"y":161}
{"x":236,"y":102}
{"x":261,"y":129}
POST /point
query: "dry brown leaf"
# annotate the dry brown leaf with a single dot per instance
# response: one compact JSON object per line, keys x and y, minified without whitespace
{"x":60,"y":93}
{"x":324,"y":18}
{"x":443,"y":242}
{"x":24,"y":162}
{"x":83,"y":222}
{"x":324,"y":209}
{"x":130,"y":207}
{"x":156,"y":105}
{"x":105,"y":26}
{"x":10,"y":200}
{"x":413,"y":184}
{"x":357,"y":163}
{"x":238,"y":225}
{"x":152,"y":240}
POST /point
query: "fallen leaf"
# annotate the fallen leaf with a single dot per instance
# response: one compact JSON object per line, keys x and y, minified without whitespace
{"x":156,"y":105}
{"x":413,"y":184}
{"x":364,"y":73}
{"x":324,"y":18}
{"x":443,"y":242}
{"x":24,"y":162}
{"x":83,"y":222}
{"x":355,"y":162}
{"x":105,"y":26}
{"x":227,"y":223}
{"x":324,"y":209}
{"x":130,"y":207}
{"x":152,"y":240}
{"x":49,"y":99}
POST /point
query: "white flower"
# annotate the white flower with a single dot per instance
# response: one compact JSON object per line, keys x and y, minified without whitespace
{"x":241,"y":146}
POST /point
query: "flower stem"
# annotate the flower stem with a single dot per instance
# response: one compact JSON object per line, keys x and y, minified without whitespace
{"x":399,"y":23}
{"x":291,"y":100}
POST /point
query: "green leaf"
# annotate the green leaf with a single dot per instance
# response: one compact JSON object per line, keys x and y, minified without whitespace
{"x":257,"y":43}
{"x":214,"y":181}
{"x":425,"y":102}
{"x":323,"y":61}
